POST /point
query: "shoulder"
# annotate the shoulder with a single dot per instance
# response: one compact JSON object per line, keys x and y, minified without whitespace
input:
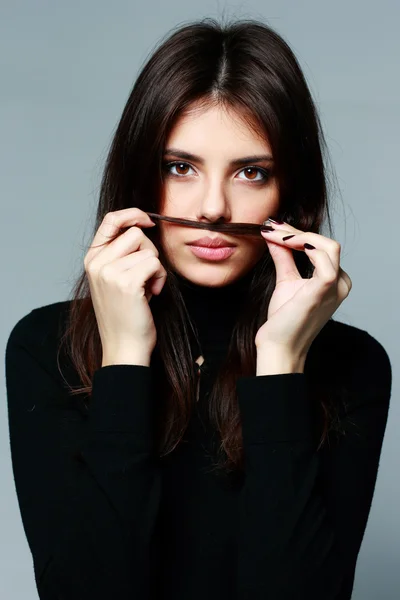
{"x":350,"y":358}
{"x":37,"y":327}
{"x":34,"y":343}
{"x":357,"y":347}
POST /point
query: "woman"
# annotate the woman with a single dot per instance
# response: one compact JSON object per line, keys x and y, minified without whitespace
{"x":136,"y":478}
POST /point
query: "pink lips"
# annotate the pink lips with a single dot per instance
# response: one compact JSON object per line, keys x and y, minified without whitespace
{"x":212,"y":253}
{"x":216,"y":242}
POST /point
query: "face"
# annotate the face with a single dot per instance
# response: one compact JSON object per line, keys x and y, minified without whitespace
{"x":211,"y":187}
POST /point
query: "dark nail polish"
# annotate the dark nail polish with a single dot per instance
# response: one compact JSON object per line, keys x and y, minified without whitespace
{"x":309,"y":246}
{"x":267,"y":228}
{"x":287,"y":237}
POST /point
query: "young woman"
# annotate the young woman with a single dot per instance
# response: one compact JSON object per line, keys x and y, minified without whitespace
{"x":193,"y":423}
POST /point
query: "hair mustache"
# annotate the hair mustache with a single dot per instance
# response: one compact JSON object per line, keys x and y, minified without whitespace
{"x":232,"y":228}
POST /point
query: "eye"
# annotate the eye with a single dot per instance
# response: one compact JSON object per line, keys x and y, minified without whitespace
{"x":265,"y":174}
{"x":180,"y":165}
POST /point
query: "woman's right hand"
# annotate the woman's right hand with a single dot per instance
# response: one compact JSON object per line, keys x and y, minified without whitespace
{"x":123,"y":275}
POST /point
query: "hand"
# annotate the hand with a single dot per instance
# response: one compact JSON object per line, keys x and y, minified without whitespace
{"x":123,"y":274}
{"x":299,"y":308}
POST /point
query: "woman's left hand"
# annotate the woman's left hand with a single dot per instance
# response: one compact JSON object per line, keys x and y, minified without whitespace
{"x":299,"y":308}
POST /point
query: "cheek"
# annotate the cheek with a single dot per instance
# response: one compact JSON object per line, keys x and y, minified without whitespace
{"x":169,"y":239}
{"x":176,"y":194}
{"x":252,"y":213}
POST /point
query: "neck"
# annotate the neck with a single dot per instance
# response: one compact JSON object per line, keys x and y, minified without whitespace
{"x":213,"y":311}
{"x":237,"y":287}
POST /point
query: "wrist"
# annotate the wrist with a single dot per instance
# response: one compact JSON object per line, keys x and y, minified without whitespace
{"x":126,"y":358}
{"x":275,"y":361}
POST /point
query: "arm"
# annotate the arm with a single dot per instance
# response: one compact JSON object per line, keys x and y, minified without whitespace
{"x":302,"y":513}
{"x":88,"y":488}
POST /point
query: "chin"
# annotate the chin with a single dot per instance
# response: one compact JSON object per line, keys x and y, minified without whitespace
{"x":209,"y":275}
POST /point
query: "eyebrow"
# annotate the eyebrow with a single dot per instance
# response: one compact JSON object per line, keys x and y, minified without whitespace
{"x":234,"y":163}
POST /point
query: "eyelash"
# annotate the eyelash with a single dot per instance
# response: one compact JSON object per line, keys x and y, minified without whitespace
{"x":266,"y":173}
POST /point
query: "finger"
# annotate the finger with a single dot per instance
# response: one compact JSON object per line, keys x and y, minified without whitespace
{"x":126,"y":262}
{"x":344,"y":284}
{"x":331,"y":247}
{"x":345,"y":276}
{"x":283,"y":258}
{"x":132,"y":241}
{"x":151,"y":272}
{"x":111,"y":225}
{"x":324,"y":271}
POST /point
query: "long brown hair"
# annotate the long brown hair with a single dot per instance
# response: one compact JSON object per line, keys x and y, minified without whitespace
{"x":248,"y":66}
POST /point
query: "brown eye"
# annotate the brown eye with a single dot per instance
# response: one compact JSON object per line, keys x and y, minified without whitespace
{"x":253,"y":172}
{"x":181,"y":168}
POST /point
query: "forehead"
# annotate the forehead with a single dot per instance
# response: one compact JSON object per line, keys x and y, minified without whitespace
{"x":205,"y":127}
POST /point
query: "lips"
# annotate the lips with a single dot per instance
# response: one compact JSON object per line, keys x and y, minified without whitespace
{"x":207,"y":242}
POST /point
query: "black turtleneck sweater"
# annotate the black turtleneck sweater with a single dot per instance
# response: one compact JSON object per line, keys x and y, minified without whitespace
{"x":105,"y":517}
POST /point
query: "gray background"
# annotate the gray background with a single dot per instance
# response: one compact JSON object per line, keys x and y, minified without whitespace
{"x":66,"y":72}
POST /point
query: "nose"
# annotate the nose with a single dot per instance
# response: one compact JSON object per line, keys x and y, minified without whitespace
{"x":214,"y":206}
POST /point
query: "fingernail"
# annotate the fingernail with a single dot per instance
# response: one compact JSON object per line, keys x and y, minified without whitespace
{"x":309,"y":246}
{"x":273,"y":221}
{"x":267,"y":228}
{"x":287,"y":237}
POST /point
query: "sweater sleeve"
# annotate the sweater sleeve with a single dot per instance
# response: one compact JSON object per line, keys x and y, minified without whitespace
{"x":88,"y":521}
{"x":303,"y":513}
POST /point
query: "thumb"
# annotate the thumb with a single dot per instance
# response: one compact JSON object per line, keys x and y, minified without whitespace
{"x":283,"y":260}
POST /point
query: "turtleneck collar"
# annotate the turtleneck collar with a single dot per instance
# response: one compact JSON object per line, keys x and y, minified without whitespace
{"x":240,"y":284}
{"x":213,"y":310}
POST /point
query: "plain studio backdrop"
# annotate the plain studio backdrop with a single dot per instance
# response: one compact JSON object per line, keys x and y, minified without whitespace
{"x":66,"y":71}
